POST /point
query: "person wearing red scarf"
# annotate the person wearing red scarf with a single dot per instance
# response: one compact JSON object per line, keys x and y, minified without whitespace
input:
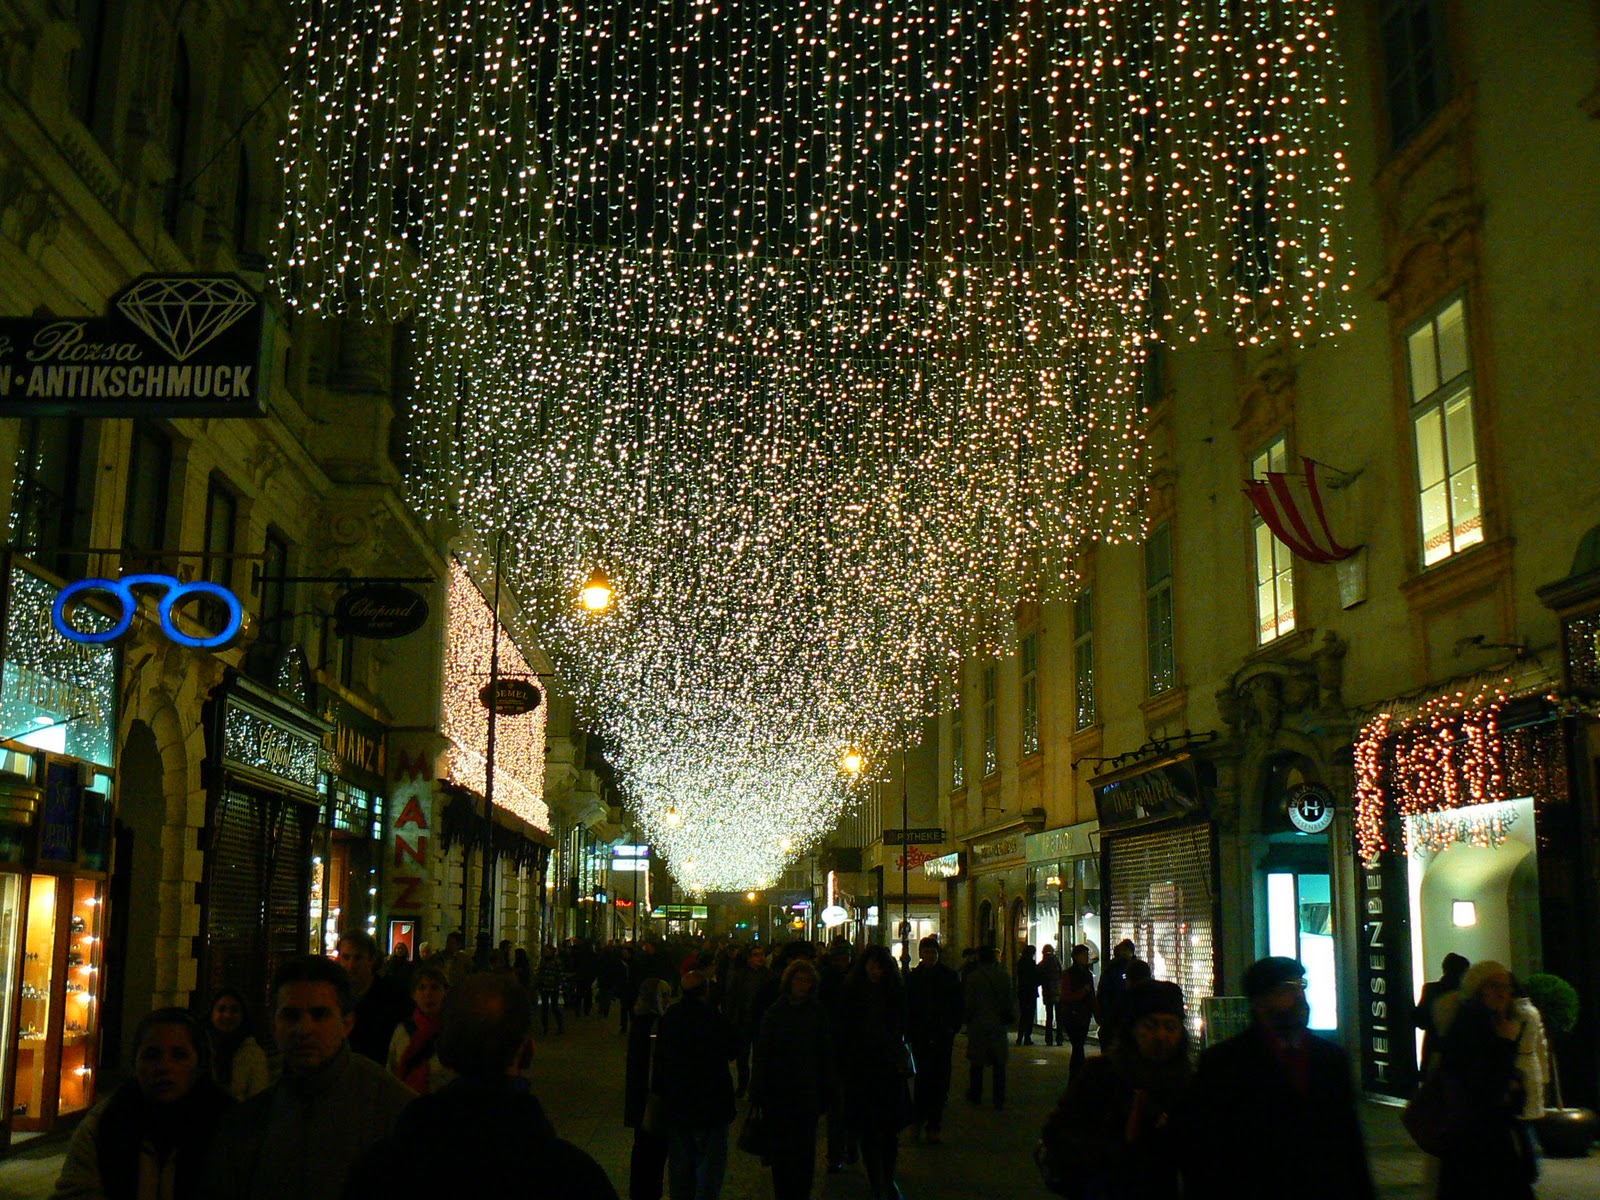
{"x":413,"y":1052}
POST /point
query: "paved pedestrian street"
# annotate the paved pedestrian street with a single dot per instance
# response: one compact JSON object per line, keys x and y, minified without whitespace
{"x":985,"y":1153}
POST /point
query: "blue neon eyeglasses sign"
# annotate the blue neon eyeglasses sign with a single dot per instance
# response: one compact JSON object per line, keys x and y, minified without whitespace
{"x":175,"y":593}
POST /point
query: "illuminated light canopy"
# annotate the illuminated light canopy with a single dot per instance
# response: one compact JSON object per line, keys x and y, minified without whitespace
{"x":834,"y":325}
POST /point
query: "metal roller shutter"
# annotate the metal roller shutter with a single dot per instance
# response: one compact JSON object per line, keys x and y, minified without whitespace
{"x":1161,"y":895}
{"x":287,"y":889}
{"x":233,"y":896}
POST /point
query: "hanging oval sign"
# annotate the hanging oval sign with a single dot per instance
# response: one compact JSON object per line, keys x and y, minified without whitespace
{"x":834,"y":915}
{"x":510,"y":697}
{"x":380,"y":610}
{"x":1310,"y":807}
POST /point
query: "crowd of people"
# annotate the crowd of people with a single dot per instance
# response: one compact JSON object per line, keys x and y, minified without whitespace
{"x":373,"y":1056}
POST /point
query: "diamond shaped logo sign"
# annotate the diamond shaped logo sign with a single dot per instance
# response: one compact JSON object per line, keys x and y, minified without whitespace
{"x":183,"y":313}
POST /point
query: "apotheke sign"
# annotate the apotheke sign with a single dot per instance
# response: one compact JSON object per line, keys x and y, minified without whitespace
{"x":168,"y":345}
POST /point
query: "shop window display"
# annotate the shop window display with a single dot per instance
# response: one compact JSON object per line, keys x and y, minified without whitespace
{"x":38,"y":987}
{"x":81,"y":997}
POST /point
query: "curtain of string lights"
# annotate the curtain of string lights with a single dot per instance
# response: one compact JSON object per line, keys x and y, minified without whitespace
{"x":826,"y":326}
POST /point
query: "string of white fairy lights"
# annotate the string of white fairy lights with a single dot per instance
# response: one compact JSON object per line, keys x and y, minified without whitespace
{"x":827,"y":326}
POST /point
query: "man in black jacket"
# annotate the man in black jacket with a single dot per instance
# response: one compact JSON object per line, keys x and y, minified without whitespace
{"x":491,"y":1134}
{"x":935,"y":1009}
{"x":1272,"y":1112}
{"x":379,"y":1004}
{"x":694,"y":1045}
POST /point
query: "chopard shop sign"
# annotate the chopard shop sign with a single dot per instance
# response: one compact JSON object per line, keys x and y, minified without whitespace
{"x":1164,"y":790}
{"x":168,"y":345}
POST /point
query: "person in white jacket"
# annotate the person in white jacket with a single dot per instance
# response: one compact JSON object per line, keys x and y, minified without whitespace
{"x":1533,"y":1055}
{"x":238,"y":1063}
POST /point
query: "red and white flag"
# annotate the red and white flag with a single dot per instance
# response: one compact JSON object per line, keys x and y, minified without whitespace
{"x":1291,"y":506}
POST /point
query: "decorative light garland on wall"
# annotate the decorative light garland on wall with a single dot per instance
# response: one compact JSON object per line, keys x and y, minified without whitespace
{"x":826,"y":327}
{"x":1451,"y":752}
{"x":519,"y":741}
{"x":1434,"y":833}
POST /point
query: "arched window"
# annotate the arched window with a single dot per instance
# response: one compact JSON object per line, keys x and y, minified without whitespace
{"x":177,"y":136}
{"x":83,"y":76}
{"x":243,"y":243}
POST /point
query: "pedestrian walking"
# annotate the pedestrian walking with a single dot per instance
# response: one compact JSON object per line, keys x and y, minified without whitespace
{"x":694,"y":1045}
{"x":379,"y":1005}
{"x":1290,"y":1089}
{"x":1449,"y":981}
{"x":454,"y":958}
{"x":1077,"y":1005}
{"x":843,"y":1147}
{"x":152,"y":1136}
{"x":485,"y":1134}
{"x":552,"y":980}
{"x":1026,"y":978}
{"x":1125,"y":970}
{"x":647,"y":1162}
{"x":991,"y":1010}
{"x":791,"y":1078}
{"x":397,"y":968}
{"x":747,"y":1002}
{"x":611,"y":980}
{"x":935,"y":1007}
{"x":238,"y":1063}
{"x":1050,"y":995}
{"x":298,"y":1139}
{"x":1113,"y":1133}
{"x":522,"y":969}
{"x":414,"y":1049}
{"x":1490,"y":1151}
{"x":877,"y":1064}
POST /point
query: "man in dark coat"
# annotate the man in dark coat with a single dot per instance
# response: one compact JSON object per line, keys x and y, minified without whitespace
{"x":1050,"y":995}
{"x":1026,"y":978}
{"x":379,"y":1004}
{"x":694,"y":1045}
{"x":935,"y":1009}
{"x":495,"y":1137}
{"x":1273,"y":1112}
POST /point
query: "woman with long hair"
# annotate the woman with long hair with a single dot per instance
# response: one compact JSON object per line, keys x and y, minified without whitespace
{"x":152,"y":1136}
{"x":238,"y":1063}
{"x":877,"y":1065}
{"x":413,"y":1050}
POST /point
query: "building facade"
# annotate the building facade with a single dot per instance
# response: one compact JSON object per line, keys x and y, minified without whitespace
{"x":1243,"y":744}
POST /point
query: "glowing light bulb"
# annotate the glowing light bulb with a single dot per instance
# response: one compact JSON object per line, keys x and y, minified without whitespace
{"x":598,"y":592}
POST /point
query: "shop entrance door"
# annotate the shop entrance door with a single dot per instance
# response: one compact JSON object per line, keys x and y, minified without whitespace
{"x":1300,"y":926}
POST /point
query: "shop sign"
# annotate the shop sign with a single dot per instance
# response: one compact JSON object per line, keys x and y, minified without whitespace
{"x":1310,"y":807}
{"x":510,"y":697}
{"x":55,"y":694}
{"x":834,"y":915}
{"x":173,"y":593}
{"x":1160,"y":791}
{"x":946,"y":866}
{"x":912,"y":837}
{"x":409,"y":868}
{"x":1059,"y":845}
{"x":1009,"y":846}
{"x":167,"y":346}
{"x":380,"y":610}
{"x":260,"y":744}
{"x":681,"y":912}
{"x":1388,"y":1058}
{"x":355,"y":746}
{"x":912,"y":858}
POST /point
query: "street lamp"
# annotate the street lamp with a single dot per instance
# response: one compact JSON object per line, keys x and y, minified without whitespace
{"x":674,"y":818}
{"x":852,"y":761}
{"x":598,"y":593}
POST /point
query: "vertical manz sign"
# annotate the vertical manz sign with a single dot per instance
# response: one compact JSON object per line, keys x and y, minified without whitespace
{"x":168,"y":345}
{"x":1388,"y":1031}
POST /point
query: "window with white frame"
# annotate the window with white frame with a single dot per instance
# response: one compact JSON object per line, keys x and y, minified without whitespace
{"x":1274,"y":563}
{"x":1162,"y":658}
{"x":991,"y":740}
{"x":1083,"y":655}
{"x":1439,"y":374}
{"x":1030,"y":693}
{"x":958,"y":745}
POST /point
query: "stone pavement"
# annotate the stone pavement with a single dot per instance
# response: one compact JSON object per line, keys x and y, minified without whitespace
{"x":985,"y":1153}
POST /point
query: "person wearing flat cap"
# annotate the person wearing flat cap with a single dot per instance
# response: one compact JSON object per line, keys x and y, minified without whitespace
{"x":1273,"y":1111}
{"x":1112,"y":1134}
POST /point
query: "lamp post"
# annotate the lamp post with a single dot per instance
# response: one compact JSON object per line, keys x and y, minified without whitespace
{"x":595,"y":596}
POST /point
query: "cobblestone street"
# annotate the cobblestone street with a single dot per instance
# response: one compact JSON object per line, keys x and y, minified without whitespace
{"x":985,"y":1153}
